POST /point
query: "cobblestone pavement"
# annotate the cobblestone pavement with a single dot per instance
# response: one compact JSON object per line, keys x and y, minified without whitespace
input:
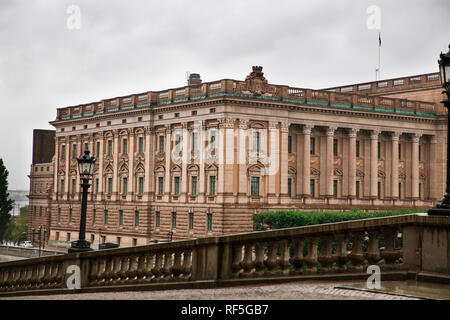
{"x":290,"y":291}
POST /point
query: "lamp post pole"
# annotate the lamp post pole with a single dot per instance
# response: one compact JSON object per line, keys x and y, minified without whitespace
{"x":443,"y":208}
{"x":85,"y":167}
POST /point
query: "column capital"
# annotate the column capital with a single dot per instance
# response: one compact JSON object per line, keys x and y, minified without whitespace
{"x":115,"y":133}
{"x":227,"y":123}
{"x":243,"y":123}
{"x":374,"y":134}
{"x":307,"y":128}
{"x":273,"y":125}
{"x":395,"y":136}
{"x":353,"y":132}
{"x":433,"y":139}
{"x":168,"y":128}
{"x":415,"y":137}
{"x":285,"y":126}
{"x":330,"y":131}
{"x":149,"y":130}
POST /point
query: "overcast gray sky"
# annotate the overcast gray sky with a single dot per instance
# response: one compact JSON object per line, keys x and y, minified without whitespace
{"x":125,"y":47}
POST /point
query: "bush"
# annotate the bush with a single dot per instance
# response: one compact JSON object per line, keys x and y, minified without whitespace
{"x":289,"y":218}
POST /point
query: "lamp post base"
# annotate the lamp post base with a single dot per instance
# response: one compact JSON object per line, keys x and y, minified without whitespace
{"x":80,"y":246}
{"x":439,"y":211}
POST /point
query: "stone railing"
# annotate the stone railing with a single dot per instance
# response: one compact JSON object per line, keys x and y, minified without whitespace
{"x":408,"y":245}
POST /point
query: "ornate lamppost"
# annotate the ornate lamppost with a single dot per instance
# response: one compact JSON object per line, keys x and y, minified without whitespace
{"x":85,"y":169}
{"x":443,"y":209}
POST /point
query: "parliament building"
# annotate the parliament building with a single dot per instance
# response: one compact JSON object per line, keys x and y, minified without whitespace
{"x":202,"y":159}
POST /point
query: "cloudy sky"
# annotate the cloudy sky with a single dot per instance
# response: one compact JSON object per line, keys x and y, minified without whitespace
{"x":49,"y":58}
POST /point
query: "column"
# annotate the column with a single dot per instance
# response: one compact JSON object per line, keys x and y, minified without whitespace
{"x":415,"y":166}
{"x":306,"y":168}
{"x":55,"y":171}
{"x":115,"y":190}
{"x":394,"y":175}
{"x":274,"y":152}
{"x":433,"y":187}
{"x":330,"y":162}
{"x":352,"y":163}
{"x":100,"y":164}
{"x":284,"y":159}
{"x":220,"y":154}
{"x":131,"y":176}
{"x":148,"y":163}
{"x":92,"y":154}
{"x":185,"y":156}
{"x":242,"y":161}
{"x":66,"y":177}
{"x":80,"y":151}
{"x":168,"y":152}
{"x":201,"y":127}
{"x":374,"y":164}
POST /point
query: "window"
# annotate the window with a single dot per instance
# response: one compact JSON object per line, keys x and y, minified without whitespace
{"x":98,"y":149}
{"x":85,"y":126}
{"x":379,"y":189}
{"x":63,"y":152}
{"x":108,"y":123}
{"x":289,"y":187}
{"x":194,"y":112}
{"x":86,"y":146}
{"x":177,"y":115}
{"x":120,"y":217}
{"x":177,"y":186}
{"x":59,"y":214}
{"x":357,"y":148}
{"x":399,"y":151}
{"x":109,"y":147}
{"x":125,"y":186}
{"x":420,"y":152}
{"x":194,"y":185}
{"x":70,"y":215}
{"x":254,"y":188}
{"x":160,"y":185}
{"x":106,"y":217}
{"x":335,"y":147}
{"x":62,"y":129}
{"x":94,"y":216}
{"x":97,"y":125}
{"x":312,"y":190}
{"x":141,"y":185}
{"x":110,"y":181}
{"x":379,"y":150}
{"x":125,"y":146}
{"x":420,"y":190}
{"x":160,"y":117}
{"x":134,"y":242}
{"x":118,"y":241}
{"x":161,"y":143}
{"x":213,"y":140}
{"x":212,"y":110}
{"x":212,"y":185}
{"x":174,"y":220}
{"x":103,"y":239}
{"x":57,"y":236}
{"x":124,"y":120}
{"x":74,"y":128}
{"x":141,"y":144}
{"x":68,"y":236}
{"x":157,"y":219}
{"x":177,"y":142}
{"x":209,"y":222}
{"x":191,"y":221}
{"x":74,"y":184}
{"x":399,"y":190}
{"x":74,"y":151}
{"x":256,"y":141}
{"x":313,"y":146}
{"x":97,"y":181}
{"x":358,"y":183}
{"x":195,"y":141}
{"x":136,"y":218}
{"x":289,"y":144}
{"x":62,"y":186}
{"x":335,"y":188}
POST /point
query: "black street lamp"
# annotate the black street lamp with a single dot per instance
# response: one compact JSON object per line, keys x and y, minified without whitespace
{"x":443,"y":209}
{"x":85,"y":169}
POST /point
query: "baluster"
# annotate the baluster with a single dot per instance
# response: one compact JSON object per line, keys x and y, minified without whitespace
{"x":35,"y":276}
{"x":259,"y":260}
{"x":124,"y":267}
{"x":187,"y":264}
{"x":168,"y":258}
{"x":3,"y":278}
{"x":311,"y":259}
{"x":236,"y":261}
{"x":147,"y":266}
{"x":340,"y":257}
{"x":356,"y":256}
{"x":109,"y":271}
{"x":41,"y":273}
{"x":373,"y":249}
{"x":93,"y":270}
{"x":140,"y":268}
{"x":176,"y":268}
{"x":116,"y":270}
{"x":57,"y":276}
{"x":297,"y":260}
{"x":271,"y":262}
{"x":157,"y":269}
{"x":131,"y":273}
{"x":101,"y":272}
{"x":389,"y":254}
{"x":46,"y":276}
{"x":246,"y":263}
{"x":283,"y":261}
{"x":325,"y":257}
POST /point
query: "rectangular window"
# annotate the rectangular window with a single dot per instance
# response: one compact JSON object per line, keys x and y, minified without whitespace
{"x":177,"y":186}
{"x":191,"y":221}
{"x":213,"y":140}
{"x":98,"y":149}
{"x":212,"y":185}
{"x":358,"y":183}
{"x":109,"y":147}
{"x":110,"y":181}
{"x":289,"y":187}
{"x":97,"y":182}
{"x":125,"y":146}
{"x":74,"y":184}
{"x":141,"y":185}
{"x":335,"y":147}
{"x":57,"y":236}
{"x":399,"y":151}
{"x":118,"y":241}
{"x":399,"y":190}
{"x":177,"y":142}
{"x":125,"y":186}
{"x":160,"y":185}
{"x":63,"y":152}
{"x":59,"y":214}
{"x":256,"y":141}
{"x":379,"y":189}
{"x":174,"y":220}
{"x":254,"y":186}
{"x":94,"y":216}
{"x":86,"y":146}
{"x":134,"y":242}
{"x":92,"y":238}
{"x":379,"y":150}
{"x":209,"y":222}
{"x":357,"y":148}
{"x":420,"y":152}
{"x":141,"y":144}
{"x":74,"y":151}
{"x":136,"y":218}
{"x":161,"y":143}
{"x":157,"y":219}
{"x":195,"y":141}
{"x":106,"y":217}
{"x":120,"y":217}
{"x":335,"y":188}
{"x":289,"y":144}
{"x":62,"y":186}
{"x":194,"y":185}
{"x":312,"y":146}
{"x":70,"y":215}
{"x":312,"y":186}
{"x":68,"y":236}
{"x":420,"y":191}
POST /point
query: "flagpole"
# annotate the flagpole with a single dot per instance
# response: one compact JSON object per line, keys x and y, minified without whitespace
{"x":379,"y":55}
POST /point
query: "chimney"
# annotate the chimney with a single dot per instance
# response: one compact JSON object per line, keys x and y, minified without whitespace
{"x":194,"y":79}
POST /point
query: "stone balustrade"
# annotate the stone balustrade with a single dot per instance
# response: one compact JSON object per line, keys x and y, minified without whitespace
{"x":335,"y":249}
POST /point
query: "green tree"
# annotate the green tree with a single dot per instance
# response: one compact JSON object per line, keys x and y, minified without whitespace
{"x":6,"y":204}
